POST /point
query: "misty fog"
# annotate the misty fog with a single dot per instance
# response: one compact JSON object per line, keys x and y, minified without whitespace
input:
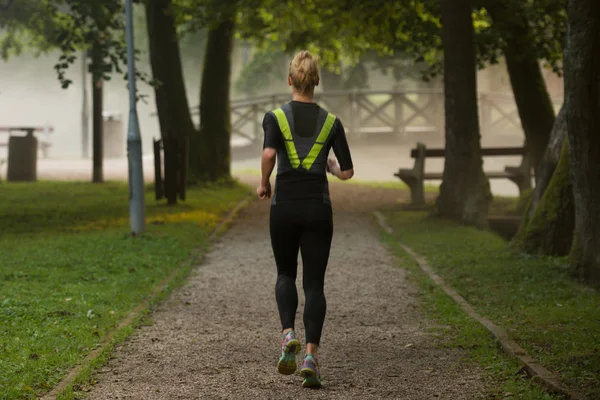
{"x":30,"y":95}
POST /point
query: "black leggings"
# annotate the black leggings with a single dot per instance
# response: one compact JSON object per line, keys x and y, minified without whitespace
{"x":308,"y":227}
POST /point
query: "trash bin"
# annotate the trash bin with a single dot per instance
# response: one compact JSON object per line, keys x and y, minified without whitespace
{"x":113,"y":135}
{"x":22,"y":158}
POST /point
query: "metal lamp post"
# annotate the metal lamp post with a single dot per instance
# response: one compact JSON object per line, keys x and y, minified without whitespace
{"x":137,"y":215}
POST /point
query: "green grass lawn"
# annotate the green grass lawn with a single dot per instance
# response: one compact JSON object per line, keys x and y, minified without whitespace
{"x":554,"y":317}
{"x":70,"y":271}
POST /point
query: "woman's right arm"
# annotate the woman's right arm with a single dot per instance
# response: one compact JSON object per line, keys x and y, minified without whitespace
{"x":270,"y":143}
{"x":343,"y":168}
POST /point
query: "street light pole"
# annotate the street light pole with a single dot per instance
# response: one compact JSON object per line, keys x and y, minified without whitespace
{"x":137,"y":216}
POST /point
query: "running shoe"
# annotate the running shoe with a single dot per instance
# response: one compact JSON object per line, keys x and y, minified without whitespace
{"x":289,"y":348}
{"x":310,"y":373}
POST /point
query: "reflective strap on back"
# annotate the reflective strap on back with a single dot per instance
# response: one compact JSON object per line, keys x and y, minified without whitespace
{"x":284,"y":126}
{"x":321,"y":139}
{"x":288,"y":139}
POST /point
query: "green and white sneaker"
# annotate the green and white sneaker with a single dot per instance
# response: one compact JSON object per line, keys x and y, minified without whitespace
{"x":289,"y":348}
{"x":310,"y":373}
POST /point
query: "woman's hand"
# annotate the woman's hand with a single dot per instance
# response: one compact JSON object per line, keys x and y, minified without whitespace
{"x":264,"y":191}
{"x":332,"y":166}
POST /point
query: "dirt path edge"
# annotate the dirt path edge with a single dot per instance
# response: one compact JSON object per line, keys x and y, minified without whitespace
{"x":108,"y":343}
{"x":535,"y":371}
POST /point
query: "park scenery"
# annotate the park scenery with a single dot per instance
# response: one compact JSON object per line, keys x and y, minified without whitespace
{"x":135,"y":256}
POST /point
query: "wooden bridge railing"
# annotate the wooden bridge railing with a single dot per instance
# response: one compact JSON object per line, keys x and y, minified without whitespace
{"x":368,"y":112}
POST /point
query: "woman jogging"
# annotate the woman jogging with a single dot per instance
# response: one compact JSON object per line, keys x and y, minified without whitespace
{"x":299,"y":135}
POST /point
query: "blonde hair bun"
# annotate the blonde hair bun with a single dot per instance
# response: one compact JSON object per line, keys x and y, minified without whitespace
{"x":304,"y":71}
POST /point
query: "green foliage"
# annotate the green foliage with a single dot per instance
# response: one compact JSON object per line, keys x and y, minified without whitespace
{"x":206,"y":14}
{"x":410,"y":28}
{"x":311,"y":25}
{"x":70,"y":26}
{"x":97,"y":27}
{"x":340,"y":32}
{"x":548,"y":23}
{"x":547,"y":20}
{"x":345,"y":31}
{"x":70,"y":273}
{"x":554,"y":317}
{"x":265,"y":64}
{"x":27,"y":23}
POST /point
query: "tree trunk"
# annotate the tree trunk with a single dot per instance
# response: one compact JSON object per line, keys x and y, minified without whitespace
{"x":551,"y":158}
{"x":582,"y":99}
{"x":97,"y":121}
{"x":85,"y":121}
{"x":210,"y":149}
{"x":533,"y":100}
{"x":546,"y":171}
{"x":176,"y":125}
{"x":550,"y":228}
{"x":465,"y":191}
{"x":529,"y":87}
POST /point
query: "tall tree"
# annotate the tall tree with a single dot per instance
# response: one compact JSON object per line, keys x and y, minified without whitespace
{"x":465,"y":192}
{"x":533,"y":101}
{"x":548,"y":222}
{"x":176,"y":125}
{"x":210,"y":149}
{"x":582,"y":92}
{"x":97,"y":118}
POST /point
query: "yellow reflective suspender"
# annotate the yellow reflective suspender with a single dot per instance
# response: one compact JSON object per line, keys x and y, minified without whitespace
{"x":287,"y":137}
{"x":321,"y":139}
{"x":289,"y":140}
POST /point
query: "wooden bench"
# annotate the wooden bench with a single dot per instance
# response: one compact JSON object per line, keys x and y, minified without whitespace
{"x":521,"y":175}
{"x":43,"y":145}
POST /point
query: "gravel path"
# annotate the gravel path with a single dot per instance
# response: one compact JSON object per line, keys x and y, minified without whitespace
{"x":218,"y":337}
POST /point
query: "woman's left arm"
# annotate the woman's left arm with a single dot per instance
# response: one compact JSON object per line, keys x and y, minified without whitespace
{"x":343,"y":168}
